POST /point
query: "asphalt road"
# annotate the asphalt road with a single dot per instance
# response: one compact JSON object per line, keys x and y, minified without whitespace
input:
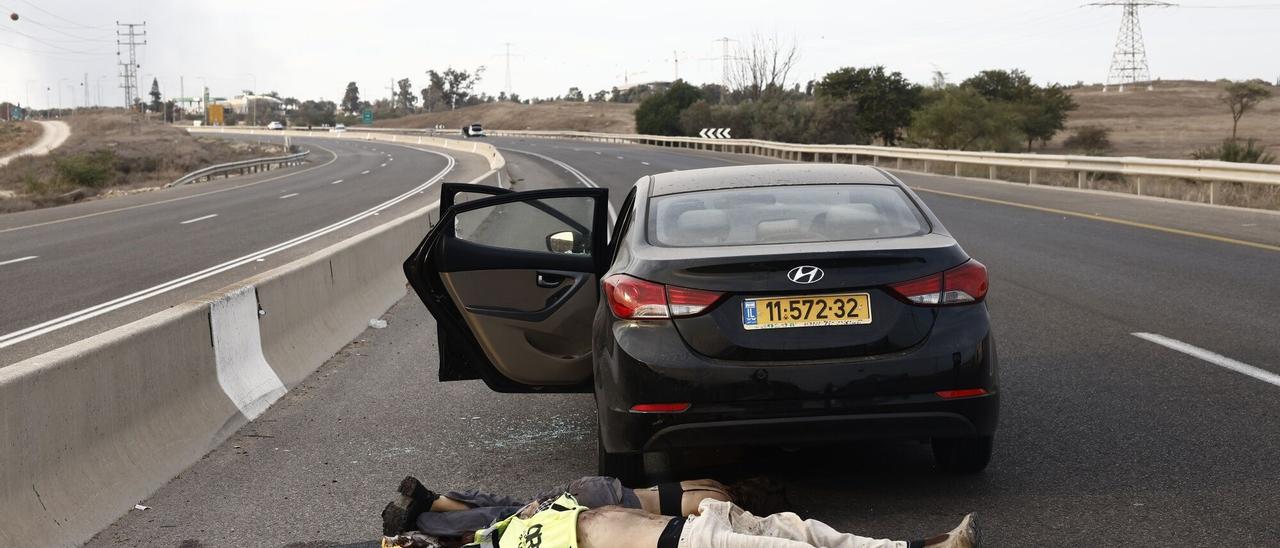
{"x":1106,"y":438}
{"x":62,"y":265}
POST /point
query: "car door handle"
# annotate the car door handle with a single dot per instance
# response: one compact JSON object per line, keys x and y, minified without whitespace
{"x":549,"y":281}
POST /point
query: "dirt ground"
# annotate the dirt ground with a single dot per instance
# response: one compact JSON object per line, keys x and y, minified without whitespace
{"x":1171,"y":120}
{"x":111,"y":152}
{"x":15,"y":136}
{"x":602,"y":117}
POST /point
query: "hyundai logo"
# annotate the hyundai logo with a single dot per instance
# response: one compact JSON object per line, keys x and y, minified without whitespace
{"x":805,"y":274}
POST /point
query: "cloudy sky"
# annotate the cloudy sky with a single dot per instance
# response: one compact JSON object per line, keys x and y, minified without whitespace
{"x":312,"y":49}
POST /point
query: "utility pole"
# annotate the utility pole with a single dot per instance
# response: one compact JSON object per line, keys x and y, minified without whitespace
{"x":86,"y":90}
{"x":1129,"y":60}
{"x":507,"y":83}
{"x":129,"y":69}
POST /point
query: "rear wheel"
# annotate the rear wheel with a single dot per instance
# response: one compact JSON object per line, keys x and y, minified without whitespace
{"x":962,"y":455}
{"x":627,"y":467}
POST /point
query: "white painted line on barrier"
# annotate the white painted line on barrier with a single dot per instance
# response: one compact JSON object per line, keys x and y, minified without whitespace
{"x":336,"y":182}
{"x":18,"y":260}
{"x":1211,"y":357}
{"x":288,"y":195}
{"x":365,"y":172}
{"x":242,"y":368}
{"x":31,"y":332}
{"x":198,"y":219}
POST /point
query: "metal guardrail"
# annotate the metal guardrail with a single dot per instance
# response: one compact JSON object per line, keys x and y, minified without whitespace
{"x":1035,"y":165}
{"x":243,"y":166}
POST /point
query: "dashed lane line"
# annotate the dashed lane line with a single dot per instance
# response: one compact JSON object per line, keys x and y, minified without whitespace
{"x":18,"y":260}
{"x":339,"y":181}
{"x":290,"y":195}
{"x":1211,"y":357}
{"x":365,"y":172}
{"x":198,"y":219}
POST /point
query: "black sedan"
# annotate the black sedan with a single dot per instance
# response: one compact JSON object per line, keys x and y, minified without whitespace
{"x":770,"y":304}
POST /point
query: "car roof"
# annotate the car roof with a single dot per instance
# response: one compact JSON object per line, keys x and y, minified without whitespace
{"x":716,"y":178}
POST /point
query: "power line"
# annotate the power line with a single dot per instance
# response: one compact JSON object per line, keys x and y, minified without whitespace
{"x":47,"y":12}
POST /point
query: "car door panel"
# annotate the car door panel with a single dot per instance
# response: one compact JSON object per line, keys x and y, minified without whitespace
{"x":514,"y":315}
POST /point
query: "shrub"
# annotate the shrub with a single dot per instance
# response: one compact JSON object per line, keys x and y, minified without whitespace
{"x":1232,"y":151}
{"x":960,"y":118}
{"x":1089,"y":140}
{"x":660,"y":113}
{"x":91,"y":169}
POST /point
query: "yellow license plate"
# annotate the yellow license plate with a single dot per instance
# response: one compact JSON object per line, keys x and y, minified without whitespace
{"x":807,"y":311}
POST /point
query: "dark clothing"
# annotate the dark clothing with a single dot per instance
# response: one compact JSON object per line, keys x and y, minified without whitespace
{"x":487,"y":508}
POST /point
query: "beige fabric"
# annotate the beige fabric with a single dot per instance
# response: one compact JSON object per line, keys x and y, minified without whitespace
{"x":724,"y":525}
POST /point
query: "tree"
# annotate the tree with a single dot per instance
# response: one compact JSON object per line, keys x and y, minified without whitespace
{"x":313,"y":113}
{"x":351,"y":99}
{"x":405,"y":98}
{"x":453,"y":87}
{"x":960,"y":118}
{"x":1240,"y":97}
{"x":883,"y":100}
{"x":433,"y":94}
{"x":1042,"y":111}
{"x":660,"y":113}
{"x":763,"y":66}
{"x":156,"y":104}
{"x":574,"y":94}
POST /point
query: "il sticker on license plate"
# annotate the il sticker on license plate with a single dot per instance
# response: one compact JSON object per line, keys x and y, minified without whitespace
{"x":806,"y":311}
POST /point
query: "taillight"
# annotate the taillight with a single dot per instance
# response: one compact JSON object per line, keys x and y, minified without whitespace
{"x":635,"y":299}
{"x":963,"y":284}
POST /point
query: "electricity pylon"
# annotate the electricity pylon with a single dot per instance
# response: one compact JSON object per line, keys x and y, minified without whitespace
{"x":1129,"y":61}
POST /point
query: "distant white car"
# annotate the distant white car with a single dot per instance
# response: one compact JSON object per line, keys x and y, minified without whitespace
{"x":275,"y":125}
{"x":338,"y":128}
{"x":473,"y":130}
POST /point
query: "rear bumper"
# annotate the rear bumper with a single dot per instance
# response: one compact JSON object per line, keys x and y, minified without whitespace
{"x":977,"y":420}
{"x":755,"y":403}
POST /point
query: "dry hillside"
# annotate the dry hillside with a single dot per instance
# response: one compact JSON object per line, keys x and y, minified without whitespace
{"x":603,"y":117}
{"x":110,"y":150}
{"x":15,"y":136}
{"x":1171,"y":120}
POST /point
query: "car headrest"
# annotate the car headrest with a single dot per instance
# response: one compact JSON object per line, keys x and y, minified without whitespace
{"x":853,"y":221}
{"x":703,"y":226}
{"x":777,"y":230}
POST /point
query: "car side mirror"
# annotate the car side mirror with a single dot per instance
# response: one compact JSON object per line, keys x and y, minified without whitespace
{"x":565,"y":241}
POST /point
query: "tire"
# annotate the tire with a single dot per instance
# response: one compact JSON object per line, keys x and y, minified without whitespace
{"x":962,"y":455}
{"x":627,"y":467}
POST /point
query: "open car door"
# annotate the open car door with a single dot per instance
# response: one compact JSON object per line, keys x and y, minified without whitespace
{"x":512,"y":281}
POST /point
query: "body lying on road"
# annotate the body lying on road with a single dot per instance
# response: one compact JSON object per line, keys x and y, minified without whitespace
{"x":690,"y":514}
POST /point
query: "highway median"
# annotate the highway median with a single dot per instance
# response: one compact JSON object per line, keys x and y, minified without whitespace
{"x":92,"y":428}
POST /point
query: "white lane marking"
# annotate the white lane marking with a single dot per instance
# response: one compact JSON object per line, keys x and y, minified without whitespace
{"x":390,"y":159}
{"x":243,"y":371}
{"x":620,"y":158}
{"x":31,"y":332}
{"x":289,"y":195}
{"x":246,"y":185}
{"x":18,"y":260}
{"x":384,"y":164}
{"x":645,"y":163}
{"x":198,"y":219}
{"x":336,"y":182}
{"x":597,"y":152}
{"x":613,"y":213}
{"x":365,"y":172}
{"x":1211,"y":357}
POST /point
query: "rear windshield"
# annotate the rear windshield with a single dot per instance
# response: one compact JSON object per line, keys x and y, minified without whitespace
{"x":783,"y":214}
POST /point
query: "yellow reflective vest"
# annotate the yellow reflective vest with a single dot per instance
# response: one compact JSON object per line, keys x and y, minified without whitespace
{"x":555,"y":526}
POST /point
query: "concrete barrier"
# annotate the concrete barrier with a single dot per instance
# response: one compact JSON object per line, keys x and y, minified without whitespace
{"x":92,"y":428}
